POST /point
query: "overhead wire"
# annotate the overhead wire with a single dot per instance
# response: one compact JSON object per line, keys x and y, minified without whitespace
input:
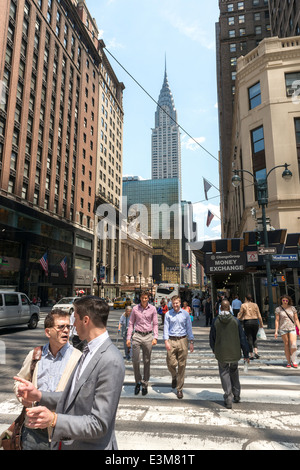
{"x":171,"y":117}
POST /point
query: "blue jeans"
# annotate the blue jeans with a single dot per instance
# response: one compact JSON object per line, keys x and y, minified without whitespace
{"x":35,"y":439}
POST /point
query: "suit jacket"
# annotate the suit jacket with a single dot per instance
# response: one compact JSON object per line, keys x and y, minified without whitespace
{"x":87,"y":418}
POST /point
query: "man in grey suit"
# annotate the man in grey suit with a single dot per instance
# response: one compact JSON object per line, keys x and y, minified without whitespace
{"x":85,"y":413}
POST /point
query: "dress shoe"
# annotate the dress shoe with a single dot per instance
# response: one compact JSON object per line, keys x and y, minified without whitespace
{"x":174,"y":382}
{"x":144,"y":390}
{"x":137,"y":389}
{"x":228,"y":404}
{"x":179,"y":394}
{"x":236,"y":399}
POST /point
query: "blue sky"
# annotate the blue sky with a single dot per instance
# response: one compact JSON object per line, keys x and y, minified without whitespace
{"x":139,"y":33}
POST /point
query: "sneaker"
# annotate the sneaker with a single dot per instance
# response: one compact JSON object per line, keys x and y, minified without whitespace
{"x":294,"y":365}
{"x":236,"y":399}
{"x":288,"y":366}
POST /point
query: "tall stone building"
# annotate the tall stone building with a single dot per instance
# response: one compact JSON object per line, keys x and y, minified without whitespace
{"x":50,"y":68}
{"x":241,"y":27}
{"x":166,"y":147}
{"x":285,"y":18}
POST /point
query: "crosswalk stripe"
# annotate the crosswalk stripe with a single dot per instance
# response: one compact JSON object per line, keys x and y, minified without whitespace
{"x":269,"y":396}
{"x":186,"y":442}
{"x":197,"y":415}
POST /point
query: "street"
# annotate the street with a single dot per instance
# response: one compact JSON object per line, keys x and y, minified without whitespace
{"x":267,"y":418}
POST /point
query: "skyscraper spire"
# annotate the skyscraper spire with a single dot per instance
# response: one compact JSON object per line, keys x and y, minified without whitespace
{"x":166,"y":147}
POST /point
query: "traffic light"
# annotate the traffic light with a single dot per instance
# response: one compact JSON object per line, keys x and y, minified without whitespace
{"x":257,"y":239}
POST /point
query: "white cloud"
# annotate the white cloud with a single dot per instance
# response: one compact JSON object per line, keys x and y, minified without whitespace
{"x":190,"y":144}
{"x":191,"y":29}
{"x":114,"y":44}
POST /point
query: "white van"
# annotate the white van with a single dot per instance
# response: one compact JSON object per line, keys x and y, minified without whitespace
{"x":17,"y":309}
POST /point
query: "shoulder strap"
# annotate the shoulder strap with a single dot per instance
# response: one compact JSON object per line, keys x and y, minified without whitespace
{"x":37,"y":354}
{"x":287,"y":314}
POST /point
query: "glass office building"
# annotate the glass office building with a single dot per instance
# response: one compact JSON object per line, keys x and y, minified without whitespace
{"x":154,"y":207}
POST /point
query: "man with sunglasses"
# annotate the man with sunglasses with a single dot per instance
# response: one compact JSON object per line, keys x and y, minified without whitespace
{"x":52,"y":372}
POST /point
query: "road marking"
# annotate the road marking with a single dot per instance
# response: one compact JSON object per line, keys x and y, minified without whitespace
{"x":157,"y":441}
{"x":259,"y":419}
{"x":269,"y":396}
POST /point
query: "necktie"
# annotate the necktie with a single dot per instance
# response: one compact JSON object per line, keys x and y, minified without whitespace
{"x":81,"y":361}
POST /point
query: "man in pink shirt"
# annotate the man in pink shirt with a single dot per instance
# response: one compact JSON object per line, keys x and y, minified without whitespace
{"x":143,"y":320}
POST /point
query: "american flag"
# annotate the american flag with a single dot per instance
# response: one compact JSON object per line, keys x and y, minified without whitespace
{"x":64,"y":266}
{"x":44,"y":263}
{"x":210,"y":216}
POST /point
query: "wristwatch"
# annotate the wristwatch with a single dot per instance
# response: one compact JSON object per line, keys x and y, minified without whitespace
{"x":191,"y":342}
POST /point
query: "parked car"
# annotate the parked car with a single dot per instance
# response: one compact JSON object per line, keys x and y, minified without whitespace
{"x":66,"y":304}
{"x":17,"y":309}
{"x":122,"y":302}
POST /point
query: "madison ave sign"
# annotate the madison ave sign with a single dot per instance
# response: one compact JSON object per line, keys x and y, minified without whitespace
{"x":225,"y":262}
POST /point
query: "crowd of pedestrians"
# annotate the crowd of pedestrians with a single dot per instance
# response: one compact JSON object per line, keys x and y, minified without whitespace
{"x":70,"y":394}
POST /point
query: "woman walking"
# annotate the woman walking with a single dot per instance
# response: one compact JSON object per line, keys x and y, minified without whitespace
{"x":285,"y":324}
{"x":250,"y":315}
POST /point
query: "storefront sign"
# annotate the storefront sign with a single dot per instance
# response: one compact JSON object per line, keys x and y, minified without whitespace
{"x":225,"y":263}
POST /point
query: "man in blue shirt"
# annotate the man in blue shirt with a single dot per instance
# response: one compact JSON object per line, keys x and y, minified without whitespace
{"x":177,"y":333}
{"x":236,"y":305}
{"x":51,"y":373}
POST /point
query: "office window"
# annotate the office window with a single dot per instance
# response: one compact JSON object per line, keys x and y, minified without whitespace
{"x":258,"y":154}
{"x":257,"y":30}
{"x":241,"y":5}
{"x":231,"y":21}
{"x":292,"y":83}
{"x":242,"y":31}
{"x":230,"y":7}
{"x":254,"y":93}
{"x":297,"y":130}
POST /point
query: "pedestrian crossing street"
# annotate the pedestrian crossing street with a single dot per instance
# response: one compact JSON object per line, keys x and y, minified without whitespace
{"x":267,"y":417}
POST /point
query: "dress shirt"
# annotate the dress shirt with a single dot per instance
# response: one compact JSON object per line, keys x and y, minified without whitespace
{"x":142,"y":320}
{"x":178,"y":324}
{"x":236,"y":304}
{"x":50,"y":368}
{"x":93,"y":345}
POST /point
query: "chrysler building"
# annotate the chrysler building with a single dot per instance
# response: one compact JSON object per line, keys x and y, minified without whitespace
{"x":166,"y":149}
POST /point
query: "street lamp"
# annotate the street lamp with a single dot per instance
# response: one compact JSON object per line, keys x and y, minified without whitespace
{"x":262,"y":199}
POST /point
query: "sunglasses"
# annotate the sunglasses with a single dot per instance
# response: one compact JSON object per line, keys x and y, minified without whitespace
{"x":284,"y":300}
{"x":62,"y":327}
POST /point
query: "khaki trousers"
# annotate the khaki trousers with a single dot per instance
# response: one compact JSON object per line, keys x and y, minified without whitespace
{"x":144,"y":343}
{"x":176,"y":358}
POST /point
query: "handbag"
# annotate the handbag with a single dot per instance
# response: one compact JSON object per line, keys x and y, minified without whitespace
{"x":11,"y":438}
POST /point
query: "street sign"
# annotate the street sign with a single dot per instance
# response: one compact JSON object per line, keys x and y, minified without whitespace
{"x":267,"y":251}
{"x":252,"y":256}
{"x":291,"y":257}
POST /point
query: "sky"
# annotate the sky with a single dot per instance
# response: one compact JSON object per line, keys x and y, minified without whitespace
{"x":141,"y":34}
